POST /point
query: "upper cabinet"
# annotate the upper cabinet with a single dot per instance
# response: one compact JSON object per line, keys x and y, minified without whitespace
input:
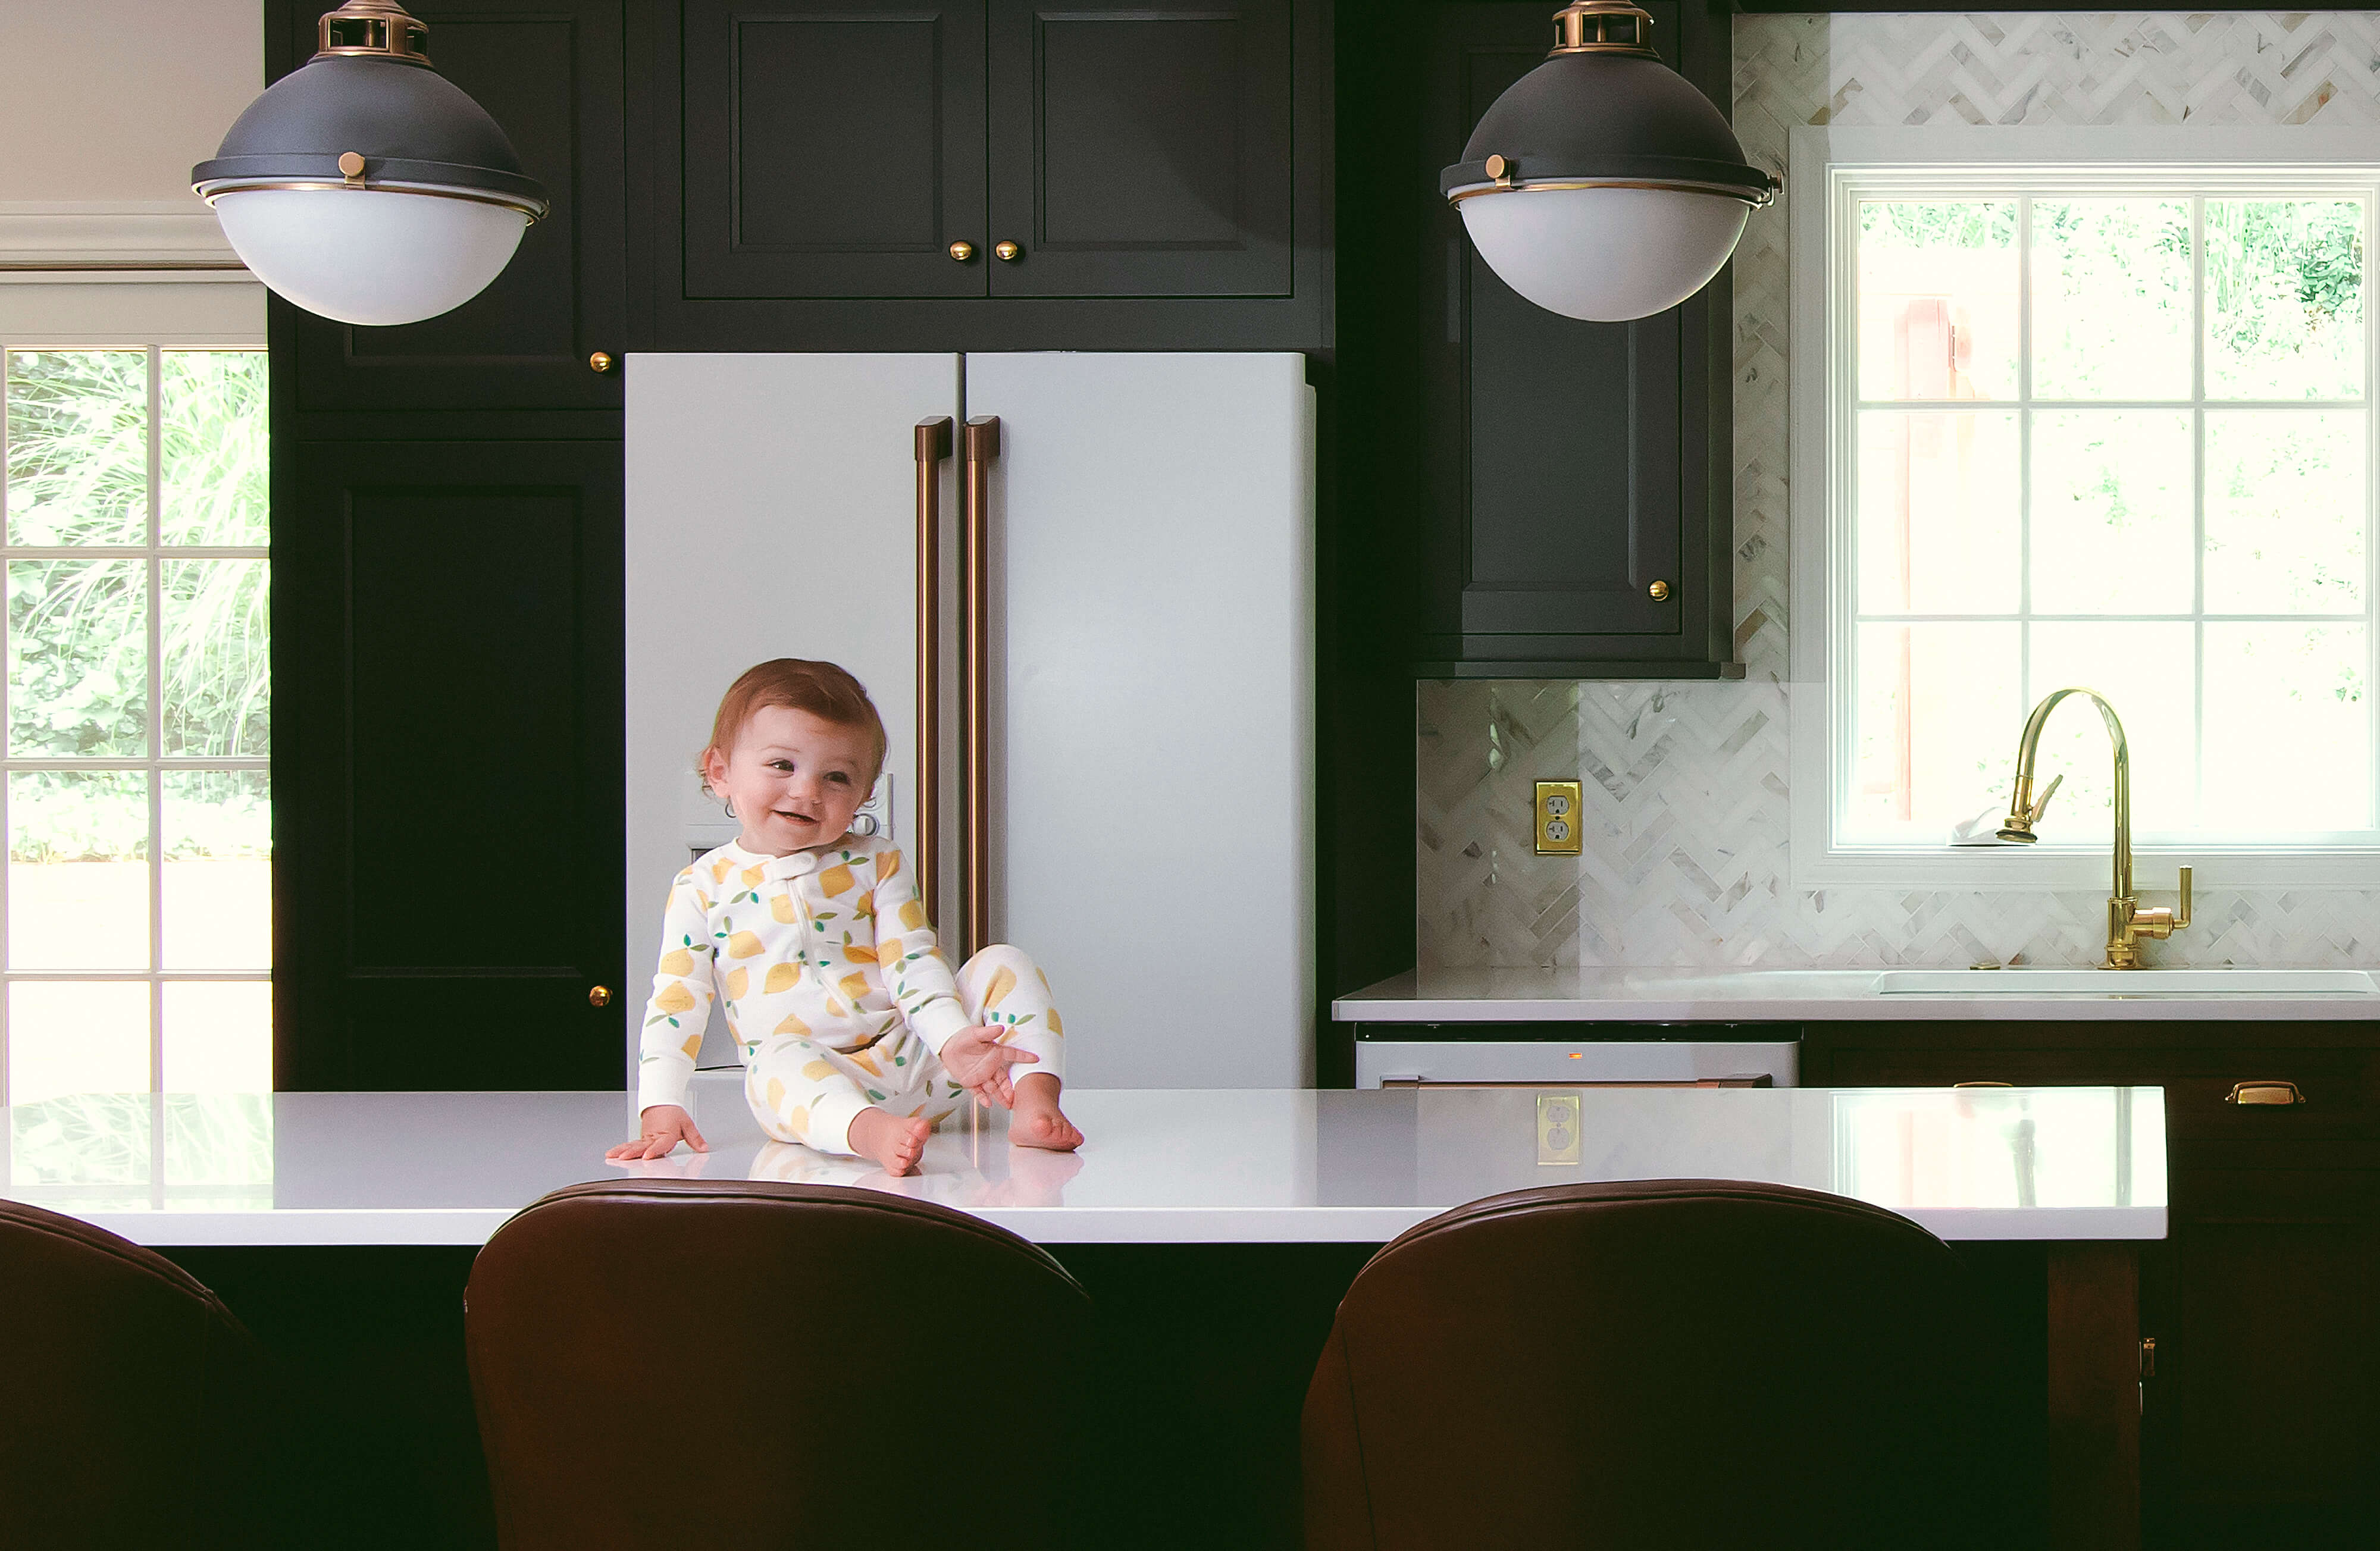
{"x":551,"y":75}
{"x":832,"y":149}
{"x":1142,"y":152}
{"x":981,"y":174}
{"x":1574,"y":476}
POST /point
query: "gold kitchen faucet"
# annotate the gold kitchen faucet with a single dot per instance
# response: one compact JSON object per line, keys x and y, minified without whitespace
{"x":2127,"y":922}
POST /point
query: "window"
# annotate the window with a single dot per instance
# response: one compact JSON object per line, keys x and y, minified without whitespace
{"x":2099,"y":421}
{"x":136,"y":915}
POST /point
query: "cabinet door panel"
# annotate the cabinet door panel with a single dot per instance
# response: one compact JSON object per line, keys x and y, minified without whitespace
{"x":2264,"y":1418}
{"x":552,"y":77}
{"x":834,"y":148}
{"x":1142,"y":151}
{"x":448,"y":872}
{"x":1574,"y":469}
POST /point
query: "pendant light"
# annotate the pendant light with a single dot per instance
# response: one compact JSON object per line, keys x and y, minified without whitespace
{"x":365,"y":186}
{"x":1602,"y":185}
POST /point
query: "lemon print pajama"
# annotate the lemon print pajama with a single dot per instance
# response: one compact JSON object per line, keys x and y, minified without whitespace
{"x":838,"y":999}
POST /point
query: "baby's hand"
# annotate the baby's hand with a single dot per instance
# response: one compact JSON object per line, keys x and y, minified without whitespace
{"x":663,"y":1127}
{"x":978,"y":1062}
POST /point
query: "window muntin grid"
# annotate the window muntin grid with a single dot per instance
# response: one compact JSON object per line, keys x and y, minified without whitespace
{"x":49,"y":973}
{"x":2160,"y":633}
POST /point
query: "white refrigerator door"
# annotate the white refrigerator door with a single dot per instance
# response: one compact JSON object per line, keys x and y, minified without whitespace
{"x":771,"y":512}
{"x":1151,"y":735}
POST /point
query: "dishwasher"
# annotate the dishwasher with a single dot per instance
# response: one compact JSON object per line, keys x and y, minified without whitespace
{"x":1577,"y":1055}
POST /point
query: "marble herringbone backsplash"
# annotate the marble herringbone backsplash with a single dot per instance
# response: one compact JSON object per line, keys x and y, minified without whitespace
{"x":1686,"y":784}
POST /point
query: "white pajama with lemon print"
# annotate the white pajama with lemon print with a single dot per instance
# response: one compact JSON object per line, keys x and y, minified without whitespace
{"x":834,"y":988}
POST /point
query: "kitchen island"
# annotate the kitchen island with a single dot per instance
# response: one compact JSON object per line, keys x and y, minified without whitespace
{"x":1215,"y":1229}
{"x":1213,"y":1166}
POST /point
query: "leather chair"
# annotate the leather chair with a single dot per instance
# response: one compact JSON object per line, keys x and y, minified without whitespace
{"x":137,"y":1408}
{"x":1664,"y":1364}
{"x":676,"y":1362}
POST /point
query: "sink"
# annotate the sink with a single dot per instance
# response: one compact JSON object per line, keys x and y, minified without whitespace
{"x":2126,"y":982}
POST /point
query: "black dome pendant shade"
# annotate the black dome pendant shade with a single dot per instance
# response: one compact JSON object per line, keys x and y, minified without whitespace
{"x":1603,"y":117}
{"x":369,"y":116}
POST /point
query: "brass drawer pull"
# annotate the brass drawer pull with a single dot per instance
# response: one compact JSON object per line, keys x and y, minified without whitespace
{"x":1983,"y":1085}
{"x":2265,"y":1093}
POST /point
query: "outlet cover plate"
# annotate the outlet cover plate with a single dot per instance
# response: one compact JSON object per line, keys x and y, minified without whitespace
{"x":1557,"y":823}
{"x":1558,"y":1123}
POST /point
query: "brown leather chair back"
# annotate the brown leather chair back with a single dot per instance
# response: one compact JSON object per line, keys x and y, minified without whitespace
{"x":135,"y":1402}
{"x":675,"y":1363}
{"x":1666,"y":1364}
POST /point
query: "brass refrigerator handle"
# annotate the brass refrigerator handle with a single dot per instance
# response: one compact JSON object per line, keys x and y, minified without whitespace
{"x":933,"y":445}
{"x":982,"y":446}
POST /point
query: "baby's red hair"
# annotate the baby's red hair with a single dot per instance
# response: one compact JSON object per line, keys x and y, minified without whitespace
{"x":822,"y":689}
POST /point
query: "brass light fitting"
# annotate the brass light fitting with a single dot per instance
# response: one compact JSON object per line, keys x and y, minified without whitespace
{"x":1572,"y":23}
{"x":377,"y":28}
{"x":2127,"y":922}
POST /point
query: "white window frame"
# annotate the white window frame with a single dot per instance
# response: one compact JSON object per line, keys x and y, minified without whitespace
{"x":155,"y":312}
{"x":1830,"y":171}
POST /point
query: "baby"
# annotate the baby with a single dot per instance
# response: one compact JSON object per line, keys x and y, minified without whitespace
{"x":855,"y":1037}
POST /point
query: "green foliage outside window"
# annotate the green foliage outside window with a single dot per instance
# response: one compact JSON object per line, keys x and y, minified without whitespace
{"x":78,"y":657}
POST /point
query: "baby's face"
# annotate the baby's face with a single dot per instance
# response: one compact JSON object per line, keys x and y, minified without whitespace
{"x":794,"y":779}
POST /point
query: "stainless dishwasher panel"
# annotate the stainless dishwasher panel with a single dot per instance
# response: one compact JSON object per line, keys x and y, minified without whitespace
{"x":1578,"y":1063}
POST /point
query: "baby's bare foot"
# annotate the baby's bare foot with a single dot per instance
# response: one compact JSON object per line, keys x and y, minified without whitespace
{"x":895,"y":1143}
{"x":1038,"y":1121}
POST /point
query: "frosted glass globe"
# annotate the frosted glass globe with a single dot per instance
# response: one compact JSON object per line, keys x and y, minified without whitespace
{"x":1606,"y":255}
{"x":370,"y":255}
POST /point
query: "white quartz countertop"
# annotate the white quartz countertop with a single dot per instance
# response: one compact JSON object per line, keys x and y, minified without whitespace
{"x":1182,"y":1166}
{"x":1689,"y":995}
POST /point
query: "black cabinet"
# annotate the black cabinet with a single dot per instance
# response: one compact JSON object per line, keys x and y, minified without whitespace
{"x":447,"y":543}
{"x":2262,"y":1420}
{"x":832,"y":148}
{"x":2260,"y":1405}
{"x":447,"y":778}
{"x":1575,"y":475}
{"x":1142,"y":151}
{"x":551,"y":75}
{"x":979,"y":175}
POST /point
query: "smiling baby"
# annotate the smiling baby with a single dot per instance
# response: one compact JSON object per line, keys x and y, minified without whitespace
{"x":856,"y":1037}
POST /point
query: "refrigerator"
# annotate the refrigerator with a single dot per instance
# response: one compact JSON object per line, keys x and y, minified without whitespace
{"x":1079,"y":589}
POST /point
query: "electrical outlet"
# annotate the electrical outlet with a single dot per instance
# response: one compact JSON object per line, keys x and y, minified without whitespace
{"x":1557,"y":1136}
{"x":1558,"y":818}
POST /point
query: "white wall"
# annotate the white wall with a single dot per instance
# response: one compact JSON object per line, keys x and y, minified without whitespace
{"x":105,"y":106}
{"x":113,"y":100}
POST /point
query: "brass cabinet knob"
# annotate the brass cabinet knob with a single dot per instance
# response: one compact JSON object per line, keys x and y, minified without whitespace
{"x":1008,"y":251}
{"x":2273,"y":1092}
{"x":600,"y":996}
{"x":962,"y":252}
{"x":599,"y":361}
{"x":1659,"y":590}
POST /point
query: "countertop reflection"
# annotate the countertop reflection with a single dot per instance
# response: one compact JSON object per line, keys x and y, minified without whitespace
{"x":1161,"y":1166}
